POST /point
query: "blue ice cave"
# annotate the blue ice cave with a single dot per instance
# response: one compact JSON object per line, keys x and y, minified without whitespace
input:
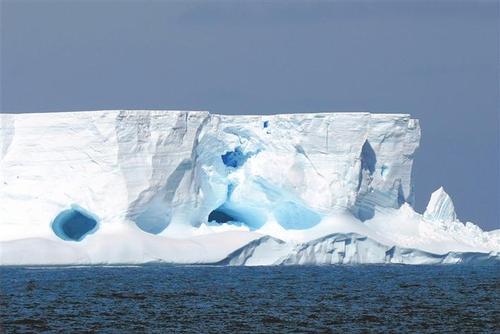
{"x":74,"y":224}
{"x":221,"y":217}
{"x":235,"y":158}
{"x":238,"y":214}
{"x":229,"y":212}
{"x":368,"y":157}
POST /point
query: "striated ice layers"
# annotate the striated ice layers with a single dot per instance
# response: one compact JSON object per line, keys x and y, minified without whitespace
{"x":194,"y":187}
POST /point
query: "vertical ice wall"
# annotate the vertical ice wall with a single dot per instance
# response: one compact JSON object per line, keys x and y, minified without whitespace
{"x":161,"y":170}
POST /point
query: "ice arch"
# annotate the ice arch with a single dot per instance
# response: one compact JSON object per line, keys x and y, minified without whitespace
{"x":74,"y":224}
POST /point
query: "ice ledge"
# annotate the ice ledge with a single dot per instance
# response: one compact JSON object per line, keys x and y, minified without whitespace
{"x":230,"y":248}
{"x":344,"y":248}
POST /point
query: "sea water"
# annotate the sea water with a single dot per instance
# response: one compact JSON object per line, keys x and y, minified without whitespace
{"x":211,"y":299}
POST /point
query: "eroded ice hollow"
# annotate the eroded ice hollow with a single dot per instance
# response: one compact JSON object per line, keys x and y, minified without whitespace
{"x":74,"y":224}
{"x":156,"y":177}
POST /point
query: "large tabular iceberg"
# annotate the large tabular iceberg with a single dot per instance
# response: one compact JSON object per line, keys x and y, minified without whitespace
{"x":194,"y":187}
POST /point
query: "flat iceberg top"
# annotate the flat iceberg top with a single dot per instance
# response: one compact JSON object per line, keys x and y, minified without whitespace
{"x":84,"y":113}
{"x":134,"y":186}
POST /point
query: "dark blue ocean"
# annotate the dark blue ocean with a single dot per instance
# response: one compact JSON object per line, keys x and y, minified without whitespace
{"x":205,"y":299}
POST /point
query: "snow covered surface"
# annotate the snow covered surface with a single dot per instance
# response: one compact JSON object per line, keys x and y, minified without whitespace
{"x":193,"y":187}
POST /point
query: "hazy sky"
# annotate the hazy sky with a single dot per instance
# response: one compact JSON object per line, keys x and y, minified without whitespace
{"x":437,"y":60}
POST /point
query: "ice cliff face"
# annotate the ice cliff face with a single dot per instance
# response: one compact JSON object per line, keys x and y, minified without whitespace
{"x":147,"y":183}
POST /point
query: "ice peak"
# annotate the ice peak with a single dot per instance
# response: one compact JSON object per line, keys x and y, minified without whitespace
{"x":440,"y":207}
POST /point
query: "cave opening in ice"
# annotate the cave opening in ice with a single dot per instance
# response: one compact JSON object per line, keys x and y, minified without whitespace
{"x":368,"y":157}
{"x":74,"y":224}
{"x":237,"y":212}
{"x":235,"y":158}
{"x":220,"y":217}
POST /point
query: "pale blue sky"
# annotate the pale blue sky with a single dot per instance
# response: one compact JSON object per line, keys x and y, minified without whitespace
{"x":437,"y":60}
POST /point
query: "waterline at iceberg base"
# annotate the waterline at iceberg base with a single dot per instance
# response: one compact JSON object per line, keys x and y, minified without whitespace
{"x":190,"y":187}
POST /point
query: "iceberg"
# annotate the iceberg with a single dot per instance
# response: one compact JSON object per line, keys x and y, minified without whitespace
{"x":191,"y":187}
